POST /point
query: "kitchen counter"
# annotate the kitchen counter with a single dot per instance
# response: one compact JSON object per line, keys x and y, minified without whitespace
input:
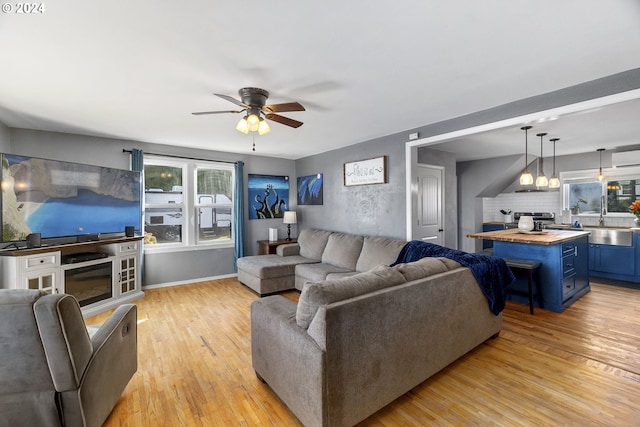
{"x":545,"y":237}
{"x":564,"y":258}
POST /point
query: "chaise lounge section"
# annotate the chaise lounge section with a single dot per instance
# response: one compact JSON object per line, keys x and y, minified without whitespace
{"x":317,"y":255}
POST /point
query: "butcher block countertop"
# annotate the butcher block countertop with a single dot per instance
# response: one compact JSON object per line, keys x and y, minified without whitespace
{"x":546,"y":237}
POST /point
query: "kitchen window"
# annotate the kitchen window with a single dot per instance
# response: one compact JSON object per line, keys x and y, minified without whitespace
{"x":187,"y":203}
{"x":585,"y":195}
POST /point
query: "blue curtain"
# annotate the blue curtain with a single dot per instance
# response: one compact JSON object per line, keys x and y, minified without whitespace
{"x":137,"y":165}
{"x":137,"y":160}
{"x":238,"y":213}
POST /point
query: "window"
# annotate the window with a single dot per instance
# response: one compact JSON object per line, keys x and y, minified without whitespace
{"x":583,"y":194}
{"x":214,"y":191}
{"x":188,"y":203}
{"x":621,"y":193}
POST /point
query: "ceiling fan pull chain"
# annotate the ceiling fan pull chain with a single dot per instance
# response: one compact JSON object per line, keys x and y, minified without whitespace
{"x":254,"y":141}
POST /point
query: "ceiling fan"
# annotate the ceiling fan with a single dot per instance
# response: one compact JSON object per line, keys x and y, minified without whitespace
{"x":253,"y":102}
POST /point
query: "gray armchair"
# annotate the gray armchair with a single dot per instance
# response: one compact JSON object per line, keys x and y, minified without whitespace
{"x":52,"y":372}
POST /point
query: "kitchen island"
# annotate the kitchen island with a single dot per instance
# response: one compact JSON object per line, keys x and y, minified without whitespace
{"x":564,"y":255}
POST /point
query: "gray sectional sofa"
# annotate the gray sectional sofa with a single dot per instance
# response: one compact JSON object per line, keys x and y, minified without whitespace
{"x":357,"y":341}
{"x":317,"y":255}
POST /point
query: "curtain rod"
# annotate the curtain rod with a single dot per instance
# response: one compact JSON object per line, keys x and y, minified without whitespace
{"x":124,"y":150}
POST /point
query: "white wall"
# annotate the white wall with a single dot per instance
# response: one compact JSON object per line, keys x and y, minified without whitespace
{"x":522,"y":202}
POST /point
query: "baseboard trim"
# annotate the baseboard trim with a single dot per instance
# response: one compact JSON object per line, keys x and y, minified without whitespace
{"x":188,"y":282}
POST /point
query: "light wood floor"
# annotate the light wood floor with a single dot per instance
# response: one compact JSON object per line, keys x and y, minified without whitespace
{"x":576,"y":368}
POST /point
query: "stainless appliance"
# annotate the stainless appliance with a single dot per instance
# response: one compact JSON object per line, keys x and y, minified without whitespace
{"x":545,"y":218}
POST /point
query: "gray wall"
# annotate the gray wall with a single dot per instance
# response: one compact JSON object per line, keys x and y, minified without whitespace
{"x":171,"y":267}
{"x":5,"y":138}
{"x":474,"y":178}
{"x":375,"y":209}
{"x":380,"y":209}
{"x":372,"y":210}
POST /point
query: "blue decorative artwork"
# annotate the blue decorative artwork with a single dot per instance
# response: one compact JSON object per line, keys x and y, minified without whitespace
{"x":268,"y":196}
{"x":310,"y":189}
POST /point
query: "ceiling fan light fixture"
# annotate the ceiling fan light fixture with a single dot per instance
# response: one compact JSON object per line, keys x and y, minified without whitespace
{"x":253,"y":122}
{"x":263,"y":127}
{"x":243,"y":126}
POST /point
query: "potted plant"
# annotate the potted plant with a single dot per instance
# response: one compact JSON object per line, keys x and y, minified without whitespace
{"x":635,"y":209}
{"x":576,"y":209}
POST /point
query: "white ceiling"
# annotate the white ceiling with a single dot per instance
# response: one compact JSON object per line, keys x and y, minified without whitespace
{"x":137,"y":69}
{"x":613,"y":127}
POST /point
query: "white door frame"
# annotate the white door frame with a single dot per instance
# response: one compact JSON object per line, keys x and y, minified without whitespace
{"x":411,"y":147}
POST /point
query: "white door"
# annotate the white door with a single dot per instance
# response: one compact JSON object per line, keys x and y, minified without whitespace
{"x":428,"y":203}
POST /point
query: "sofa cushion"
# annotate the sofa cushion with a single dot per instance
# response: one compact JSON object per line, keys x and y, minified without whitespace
{"x":316,"y":294}
{"x":378,"y":251}
{"x":318,"y":271}
{"x":451,"y":264}
{"x":422,"y":268}
{"x":312,"y":243}
{"x":343,"y":250}
{"x":334,"y":276}
{"x":270,"y":266}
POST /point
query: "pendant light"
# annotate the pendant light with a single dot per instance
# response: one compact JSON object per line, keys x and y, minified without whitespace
{"x":554,"y":182}
{"x":526,"y":178}
{"x":541,"y":180}
{"x":600,"y":176}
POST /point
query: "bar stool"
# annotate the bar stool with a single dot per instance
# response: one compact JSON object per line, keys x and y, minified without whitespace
{"x":530,"y":267}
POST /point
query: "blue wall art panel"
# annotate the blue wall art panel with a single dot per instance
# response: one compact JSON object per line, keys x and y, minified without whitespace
{"x":310,"y":189}
{"x":268,"y":196}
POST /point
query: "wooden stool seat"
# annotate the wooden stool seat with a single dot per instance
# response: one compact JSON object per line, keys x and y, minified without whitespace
{"x":530,"y":266}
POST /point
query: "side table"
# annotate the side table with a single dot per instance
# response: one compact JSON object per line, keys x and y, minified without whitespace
{"x":266,"y":247}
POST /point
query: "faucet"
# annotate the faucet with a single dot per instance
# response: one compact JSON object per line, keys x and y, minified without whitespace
{"x":603,"y":211}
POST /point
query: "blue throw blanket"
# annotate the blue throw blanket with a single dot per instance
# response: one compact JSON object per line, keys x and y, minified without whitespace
{"x":492,"y":273}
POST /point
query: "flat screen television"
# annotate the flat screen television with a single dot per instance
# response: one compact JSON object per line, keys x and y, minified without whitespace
{"x":60,"y":199}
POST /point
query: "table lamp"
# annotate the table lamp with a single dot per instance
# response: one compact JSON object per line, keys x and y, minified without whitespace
{"x":289,"y":218}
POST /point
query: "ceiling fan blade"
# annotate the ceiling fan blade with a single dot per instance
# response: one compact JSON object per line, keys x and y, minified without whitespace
{"x":200,"y":113}
{"x":283,"y":108}
{"x":232,"y":99}
{"x":284,"y":120}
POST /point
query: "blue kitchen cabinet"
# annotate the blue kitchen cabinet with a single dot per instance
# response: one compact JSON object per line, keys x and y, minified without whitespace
{"x":611,"y":259}
{"x":616,"y":261}
{"x":564,"y":274}
{"x":490,"y":227}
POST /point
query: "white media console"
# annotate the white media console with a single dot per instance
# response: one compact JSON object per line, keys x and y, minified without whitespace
{"x":99,"y":282}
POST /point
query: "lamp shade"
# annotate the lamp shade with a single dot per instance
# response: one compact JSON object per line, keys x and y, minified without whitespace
{"x":243,"y":125}
{"x":253,"y":122}
{"x":526,"y":178}
{"x":263,"y":127}
{"x":289,"y":217}
{"x":542,"y":181}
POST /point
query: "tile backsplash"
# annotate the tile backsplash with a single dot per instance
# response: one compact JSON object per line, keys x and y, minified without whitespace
{"x":543,"y":202}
